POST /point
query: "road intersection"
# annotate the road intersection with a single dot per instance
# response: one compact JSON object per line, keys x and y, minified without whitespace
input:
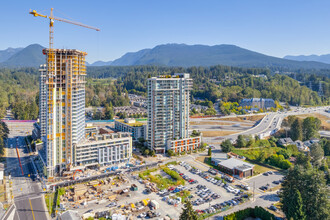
{"x":27,"y":193}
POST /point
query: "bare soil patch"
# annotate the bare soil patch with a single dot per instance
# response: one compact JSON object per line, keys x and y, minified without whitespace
{"x":219,"y":123}
{"x":217,"y":133}
{"x":252,"y":118}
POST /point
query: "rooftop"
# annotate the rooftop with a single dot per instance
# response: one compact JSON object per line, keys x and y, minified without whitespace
{"x":235,"y":163}
{"x":135,"y":124}
{"x":174,"y":76}
{"x":68,"y":51}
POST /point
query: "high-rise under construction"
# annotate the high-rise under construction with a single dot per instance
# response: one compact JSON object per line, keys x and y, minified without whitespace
{"x":65,"y":112}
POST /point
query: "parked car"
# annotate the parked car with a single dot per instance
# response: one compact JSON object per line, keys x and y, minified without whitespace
{"x":272,"y":207}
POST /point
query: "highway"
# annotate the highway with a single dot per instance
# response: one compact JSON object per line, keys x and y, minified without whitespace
{"x":26,"y":191}
{"x":269,"y":123}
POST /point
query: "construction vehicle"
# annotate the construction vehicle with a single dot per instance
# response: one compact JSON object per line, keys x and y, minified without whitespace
{"x":74,"y":173}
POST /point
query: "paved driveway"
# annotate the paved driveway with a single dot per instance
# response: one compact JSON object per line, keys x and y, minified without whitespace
{"x":262,"y":180}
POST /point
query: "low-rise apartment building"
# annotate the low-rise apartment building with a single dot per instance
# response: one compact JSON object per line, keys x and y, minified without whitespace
{"x":137,"y":129}
{"x":106,"y":149}
{"x":186,"y":144}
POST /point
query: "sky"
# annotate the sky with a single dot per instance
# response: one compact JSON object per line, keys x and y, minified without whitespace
{"x":272,"y":27}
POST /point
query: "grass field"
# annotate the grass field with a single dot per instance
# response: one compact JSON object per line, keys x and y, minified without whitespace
{"x":217,"y":133}
{"x":209,"y":122}
{"x":244,"y":118}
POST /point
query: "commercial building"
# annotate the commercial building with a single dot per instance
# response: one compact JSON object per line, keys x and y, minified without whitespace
{"x":236,"y":167}
{"x":168,"y":112}
{"x":259,"y":103}
{"x":137,"y":129}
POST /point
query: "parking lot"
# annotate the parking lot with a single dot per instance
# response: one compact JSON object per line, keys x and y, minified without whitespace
{"x":267,"y":180}
{"x":209,"y":191}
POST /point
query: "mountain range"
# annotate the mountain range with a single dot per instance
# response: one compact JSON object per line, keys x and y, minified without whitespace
{"x":170,"y":55}
{"x":6,"y":54}
{"x":318,"y":58}
{"x":30,"y":56}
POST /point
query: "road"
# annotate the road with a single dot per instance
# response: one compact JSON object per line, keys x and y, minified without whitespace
{"x":269,"y":123}
{"x":27,"y":193}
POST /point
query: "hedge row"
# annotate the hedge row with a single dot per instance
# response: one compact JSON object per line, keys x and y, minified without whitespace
{"x":256,"y":212}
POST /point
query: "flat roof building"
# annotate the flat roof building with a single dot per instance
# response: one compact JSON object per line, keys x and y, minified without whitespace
{"x":168,"y":110}
{"x":259,"y":103}
{"x":136,"y":128}
{"x":106,"y":149}
{"x":236,"y":167}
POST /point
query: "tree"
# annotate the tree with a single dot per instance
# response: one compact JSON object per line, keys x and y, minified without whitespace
{"x":317,"y":154}
{"x":311,"y":184}
{"x":296,"y":130}
{"x":326,"y":148}
{"x":146,"y":152}
{"x":209,"y":152}
{"x":188,"y":213}
{"x":195,"y":133}
{"x":170,"y":153}
{"x":311,"y":127}
{"x":226,"y":146}
{"x":303,"y":160}
{"x":210,"y":111}
{"x":295,"y":209}
{"x":241,"y":141}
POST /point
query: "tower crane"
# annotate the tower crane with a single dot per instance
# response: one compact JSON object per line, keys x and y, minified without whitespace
{"x":51,"y":56}
{"x":51,"y":52}
{"x":51,"y":24}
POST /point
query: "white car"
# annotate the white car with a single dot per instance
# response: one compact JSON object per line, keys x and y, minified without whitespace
{"x":142,"y":215}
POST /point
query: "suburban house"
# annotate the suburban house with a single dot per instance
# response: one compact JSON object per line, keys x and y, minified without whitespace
{"x":309,"y":143}
{"x":285,"y":141}
{"x":301,"y":146}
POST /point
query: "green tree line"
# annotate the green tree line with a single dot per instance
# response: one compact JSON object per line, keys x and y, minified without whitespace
{"x":224,"y":82}
{"x":19,"y":91}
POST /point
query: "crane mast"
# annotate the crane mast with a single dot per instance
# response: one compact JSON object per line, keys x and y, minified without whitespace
{"x":51,"y":82}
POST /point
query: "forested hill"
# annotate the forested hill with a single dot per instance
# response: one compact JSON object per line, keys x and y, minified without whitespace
{"x":321,"y":58}
{"x":30,"y":56}
{"x":227,"y":83}
{"x":19,"y":87}
{"x":203,"y":55}
{"x":19,"y":91}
